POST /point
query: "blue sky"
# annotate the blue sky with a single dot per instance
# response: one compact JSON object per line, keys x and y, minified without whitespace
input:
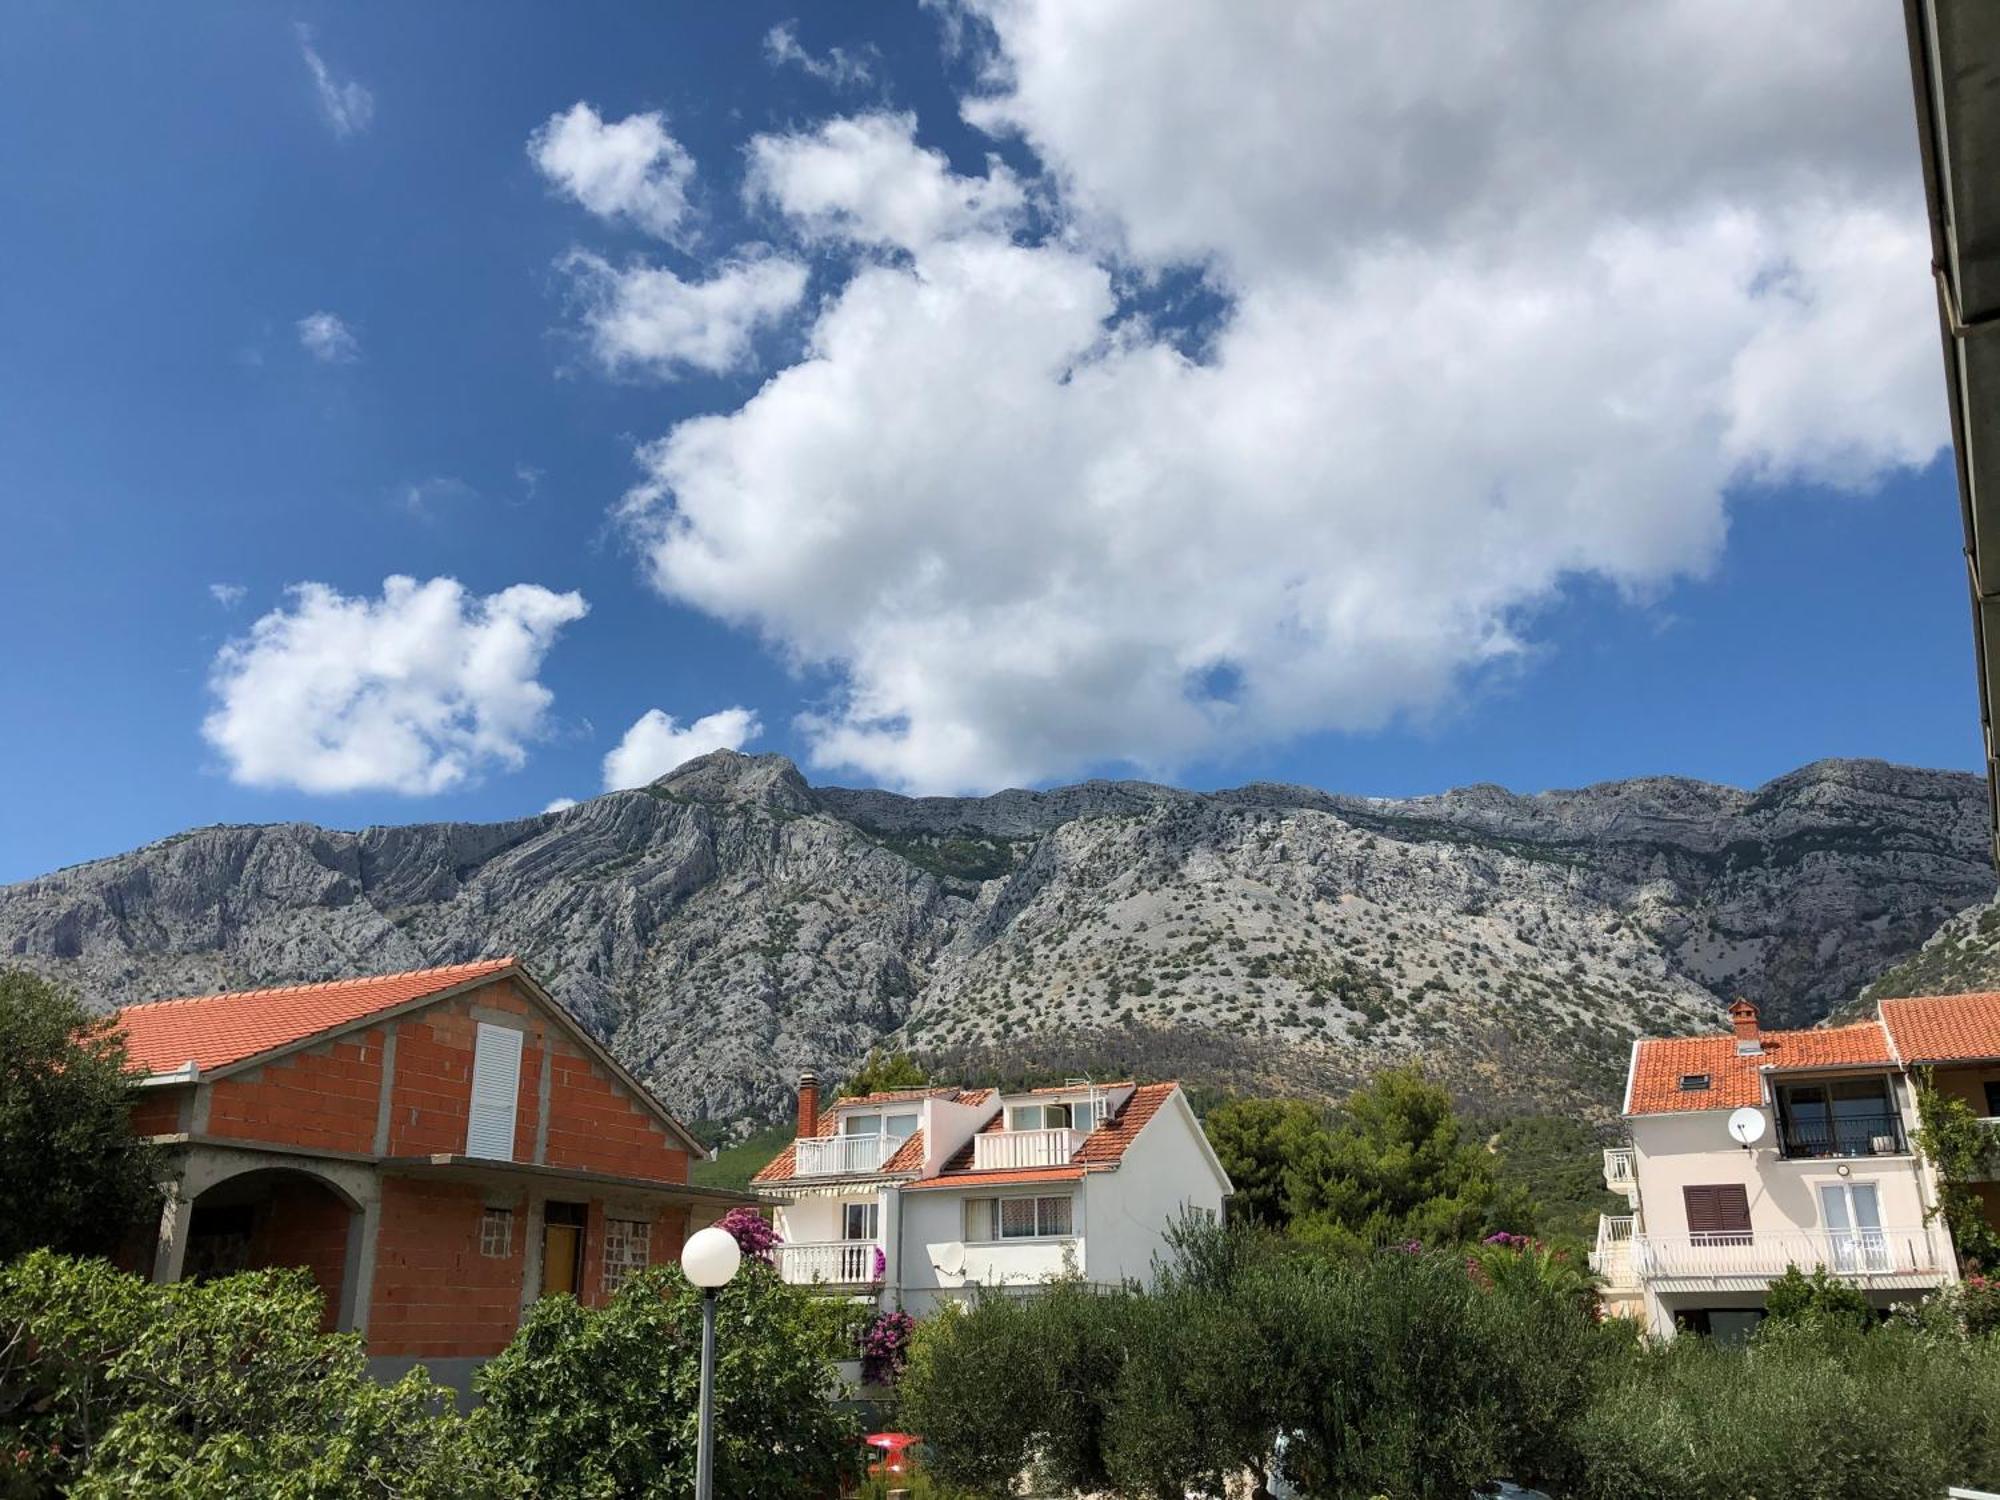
{"x":1701,"y":527}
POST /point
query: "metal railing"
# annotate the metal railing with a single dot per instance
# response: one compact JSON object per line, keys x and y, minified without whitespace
{"x":1910,"y":1252}
{"x":840,"y":1155}
{"x":1620,"y":1169}
{"x":834,"y":1262}
{"x":1877,"y":1134}
{"x":1024,"y":1148}
{"x":1612,"y":1259}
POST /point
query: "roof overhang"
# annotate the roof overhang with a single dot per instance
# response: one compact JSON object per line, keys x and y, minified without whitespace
{"x":456,"y":1167}
{"x":1955,"y":75}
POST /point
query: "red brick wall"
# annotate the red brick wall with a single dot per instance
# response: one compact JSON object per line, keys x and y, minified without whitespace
{"x":158,"y":1111}
{"x":305,"y":1225}
{"x":435,"y":1295}
{"x":596,"y":1125}
{"x":324,"y":1097}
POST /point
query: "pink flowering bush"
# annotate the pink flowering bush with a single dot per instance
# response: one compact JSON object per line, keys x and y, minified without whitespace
{"x":756,"y":1236}
{"x":885,"y":1347}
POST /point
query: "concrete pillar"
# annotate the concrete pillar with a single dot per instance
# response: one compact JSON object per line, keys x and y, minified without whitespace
{"x":171,"y":1252}
{"x":357,"y":1278}
{"x":892,"y":1248}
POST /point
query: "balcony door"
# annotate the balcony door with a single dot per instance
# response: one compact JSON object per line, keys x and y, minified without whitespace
{"x":1849,"y":1117}
{"x":1853,"y":1218}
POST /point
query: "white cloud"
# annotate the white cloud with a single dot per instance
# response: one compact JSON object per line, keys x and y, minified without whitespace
{"x":560,"y":804}
{"x":425,"y":498}
{"x":644,"y":319}
{"x":866,"y":179}
{"x":1500,"y":302}
{"x":838,"y":68}
{"x":656,"y":744}
{"x":630,"y":168}
{"x":228,"y":595}
{"x":348,"y":106}
{"x":327,"y":339}
{"x":418,"y":691}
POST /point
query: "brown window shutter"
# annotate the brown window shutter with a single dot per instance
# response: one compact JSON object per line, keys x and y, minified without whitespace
{"x":1720,"y":1209}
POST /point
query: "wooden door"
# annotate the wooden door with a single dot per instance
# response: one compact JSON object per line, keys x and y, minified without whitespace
{"x":562,"y":1248}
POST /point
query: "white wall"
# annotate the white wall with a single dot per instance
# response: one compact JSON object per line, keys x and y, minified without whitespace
{"x":1165,"y":1171}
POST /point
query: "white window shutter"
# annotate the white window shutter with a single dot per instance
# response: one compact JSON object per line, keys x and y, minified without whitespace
{"x":496,"y":1090}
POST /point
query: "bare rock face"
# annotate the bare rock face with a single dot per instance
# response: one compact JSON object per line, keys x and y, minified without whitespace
{"x":731,"y":923}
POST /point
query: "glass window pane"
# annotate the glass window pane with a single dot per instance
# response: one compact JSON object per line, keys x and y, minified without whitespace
{"x":900,"y":1127}
{"x":979,"y":1220}
{"x":862,"y":1125}
{"x":1026,"y":1117}
{"x":1053,"y":1214}
{"x":1017,"y":1218}
{"x":1084,"y":1116}
{"x":1833,"y":1205}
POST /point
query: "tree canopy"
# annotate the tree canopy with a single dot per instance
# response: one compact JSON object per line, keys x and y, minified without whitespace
{"x":882,"y":1072}
{"x":73,"y":1177}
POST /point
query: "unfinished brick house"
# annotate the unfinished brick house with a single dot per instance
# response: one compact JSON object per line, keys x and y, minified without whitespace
{"x":439,"y":1148}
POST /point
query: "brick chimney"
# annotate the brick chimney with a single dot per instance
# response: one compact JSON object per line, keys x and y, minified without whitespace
{"x":809,"y":1103}
{"x":1743,"y":1016}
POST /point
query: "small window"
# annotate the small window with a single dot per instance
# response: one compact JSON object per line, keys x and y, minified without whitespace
{"x":628,"y":1245}
{"x":900,"y":1127}
{"x":1718,"y":1213}
{"x":1694,"y":1083}
{"x":858,"y":1221}
{"x":496,"y":1233}
{"x":1026,"y":1117}
{"x":1083,"y":1116}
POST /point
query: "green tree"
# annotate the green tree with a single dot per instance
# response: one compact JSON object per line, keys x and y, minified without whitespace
{"x":1821,"y":1297}
{"x":110,"y":1386}
{"x":73,"y":1176}
{"x":1958,"y":1146}
{"x":882,"y":1072}
{"x":1396,"y":1166}
{"x":1256,"y":1141}
{"x":594,"y":1402}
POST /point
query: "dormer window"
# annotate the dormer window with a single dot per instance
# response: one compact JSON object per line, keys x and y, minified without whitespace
{"x":1694,"y":1083}
{"x":1080,"y":1115}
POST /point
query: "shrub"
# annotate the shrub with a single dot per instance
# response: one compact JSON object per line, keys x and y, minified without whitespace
{"x":112,"y":1386}
{"x":1821,"y":1297}
{"x":591,"y":1402}
{"x":884,"y":1346}
{"x":756,"y":1236}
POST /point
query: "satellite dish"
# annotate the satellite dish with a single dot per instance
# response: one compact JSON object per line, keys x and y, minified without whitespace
{"x":1746,"y":1126}
{"x":949,"y":1257}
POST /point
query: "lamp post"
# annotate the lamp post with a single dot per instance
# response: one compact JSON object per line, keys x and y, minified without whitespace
{"x":710,"y":1258}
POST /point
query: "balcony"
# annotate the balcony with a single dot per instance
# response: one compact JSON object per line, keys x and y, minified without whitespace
{"x":830,"y":1263}
{"x":1008,"y":1150}
{"x":1875,"y":1134}
{"x":1910,"y":1256}
{"x":1621,"y":1173}
{"x":1612,"y":1259}
{"x":841,"y":1155}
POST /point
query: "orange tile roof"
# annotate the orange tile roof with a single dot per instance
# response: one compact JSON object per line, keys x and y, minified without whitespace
{"x":1011,"y":1178}
{"x":784,"y":1165}
{"x":1659,"y":1064}
{"x":213,"y":1031}
{"x":1944,"y":1028}
{"x":1101,"y":1148}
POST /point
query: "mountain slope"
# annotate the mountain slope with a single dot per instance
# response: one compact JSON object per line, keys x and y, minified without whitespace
{"x":731,"y":922}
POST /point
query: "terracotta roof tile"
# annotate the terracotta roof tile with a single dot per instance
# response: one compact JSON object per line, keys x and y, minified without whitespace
{"x":1944,"y":1028}
{"x":909,"y":1157}
{"x":1101,"y":1148}
{"x":997,"y":1179}
{"x":784,"y":1165}
{"x":1659,"y":1064}
{"x":213,"y":1031}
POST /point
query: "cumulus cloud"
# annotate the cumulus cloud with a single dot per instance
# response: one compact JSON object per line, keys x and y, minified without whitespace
{"x":837,"y":67}
{"x":327,"y":339}
{"x":643,"y":319}
{"x":627,"y":169}
{"x":1499,"y":302}
{"x":656,"y":744}
{"x":417,"y":691}
{"x":560,"y":804}
{"x":348,"y":106}
{"x":867,"y":180}
{"x":228,"y":595}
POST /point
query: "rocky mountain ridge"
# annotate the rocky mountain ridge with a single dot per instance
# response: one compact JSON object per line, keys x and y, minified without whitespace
{"x":732,"y":922}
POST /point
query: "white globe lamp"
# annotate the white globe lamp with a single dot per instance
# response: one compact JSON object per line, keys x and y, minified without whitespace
{"x":710,"y":1257}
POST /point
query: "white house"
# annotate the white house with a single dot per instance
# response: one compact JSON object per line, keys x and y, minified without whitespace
{"x":921,"y":1196}
{"x":1757,"y":1150}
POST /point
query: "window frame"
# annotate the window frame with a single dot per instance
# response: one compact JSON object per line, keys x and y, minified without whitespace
{"x":1042,"y":1217}
{"x":496,"y":1225}
{"x":619,"y":1264}
{"x":1721,"y":1217}
{"x":872,"y":1216}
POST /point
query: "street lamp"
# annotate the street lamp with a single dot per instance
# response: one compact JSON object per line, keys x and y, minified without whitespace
{"x":710,"y":1258}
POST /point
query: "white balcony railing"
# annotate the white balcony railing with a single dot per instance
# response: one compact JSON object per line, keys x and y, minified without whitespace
{"x":1612,"y":1259}
{"x":840,"y":1155}
{"x":834,"y":1262}
{"x":1909,"y":1255}
{"x":1008,"y":1149}
{"x":1621,"y":1170}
